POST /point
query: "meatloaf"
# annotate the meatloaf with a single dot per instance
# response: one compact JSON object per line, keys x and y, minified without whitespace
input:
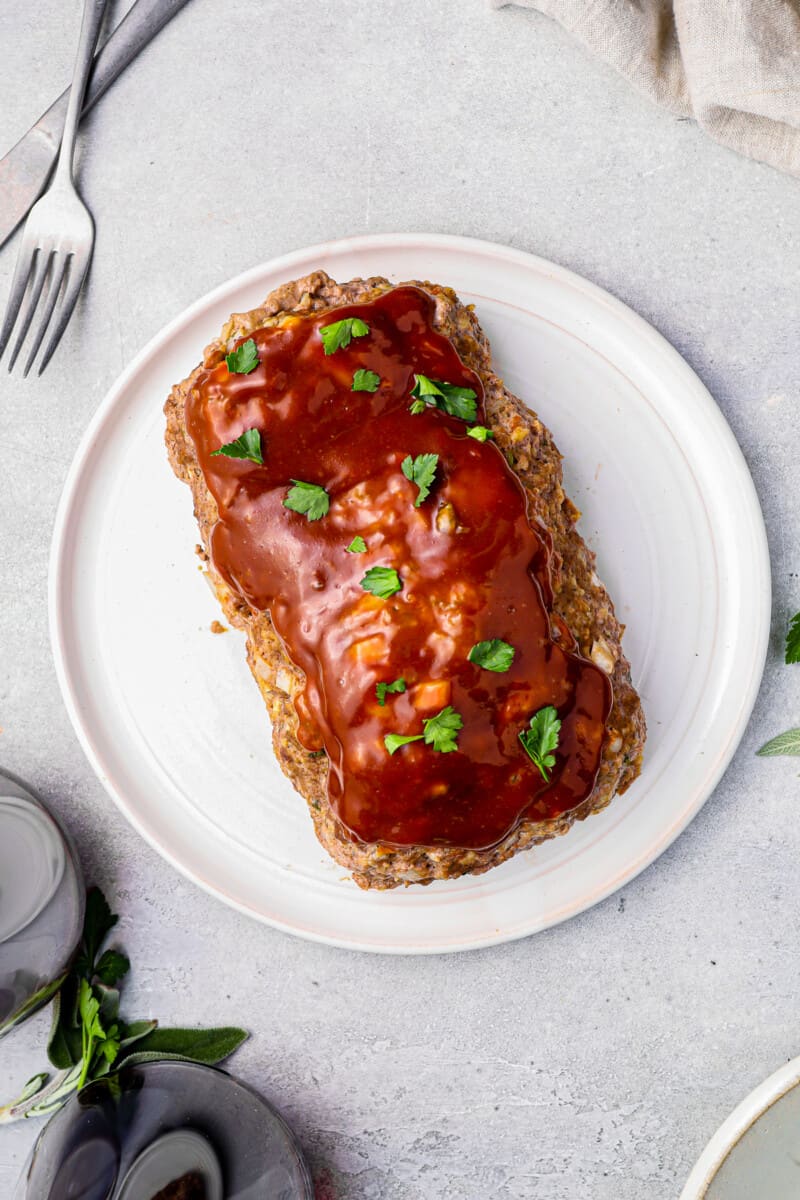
{"x":404,"y":807}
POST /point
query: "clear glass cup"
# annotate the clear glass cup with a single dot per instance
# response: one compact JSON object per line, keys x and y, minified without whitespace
{"x":42,"y":898}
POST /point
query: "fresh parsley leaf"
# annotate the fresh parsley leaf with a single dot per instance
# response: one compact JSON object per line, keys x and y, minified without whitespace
{"x":111,"y":967}
{"x":541,"y":740}
{"x":247,"y":445}
{"x":480,"y":433}
{"x":339,"y":334}
{"x":494,"y":655}
{"x":382,"y":690}
{"x":421,"y":471}
{"x":93,"y":1035}
{"x":423,"y":386}
{"x":307,"y":498}
{"x":243,"y":359}
{"x":441,"y":731}
{"x":393,"y":741}
{"x":98,"y":922}
{"x":109,"y":1047}
{"x":458,"y":401}
{"x":382,"y":582}
{"x":365,"y":381}
{"x":418,"y":406}
{"x":784,"y":743}
{"x":357,"y":546}
{"x":793,"y":640}
{"x":89,"y":1008}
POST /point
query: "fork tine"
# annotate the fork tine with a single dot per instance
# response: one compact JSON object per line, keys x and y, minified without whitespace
{"x":41,"y":262}
{"x":77,"y":275}
{"x":60,"y":265}
{"x":22,"y":273}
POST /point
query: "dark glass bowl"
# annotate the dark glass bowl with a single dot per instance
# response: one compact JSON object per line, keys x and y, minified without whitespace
{"x":88,"y":1148}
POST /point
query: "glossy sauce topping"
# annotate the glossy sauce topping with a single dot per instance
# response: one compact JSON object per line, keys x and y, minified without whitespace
{"x":473,"y":567}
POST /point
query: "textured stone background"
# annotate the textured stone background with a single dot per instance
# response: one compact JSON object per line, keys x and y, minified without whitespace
{"x":593,"y":1060}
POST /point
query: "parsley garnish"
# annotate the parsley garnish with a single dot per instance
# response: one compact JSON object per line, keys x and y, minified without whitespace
{"x":243,"y":359}
{"x":357,"y":546}
{"x":793,"y":640}
{"x":418,"y":406}
{"x":480,"y":433}
{"x":423,"y":386}
{"x":308,"y":498}
{"x":458,"y":401}
{"x":339,"y":334}
{"x":393,"y":741}
{"x":382,"y":582}
{"x":421,"y":471}
{"x":493,"y":655}
{"x":440,"y":731}
{"x":247,"y":445}
{"x":541,"y":740}
{"x":382,"y":690}
{"x":365,"y":381}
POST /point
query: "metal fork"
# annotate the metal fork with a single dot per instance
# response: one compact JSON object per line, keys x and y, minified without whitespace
{"x":58,"y":237}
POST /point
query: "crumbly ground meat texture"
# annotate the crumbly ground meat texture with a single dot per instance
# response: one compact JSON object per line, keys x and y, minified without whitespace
{"x":579,"y":597}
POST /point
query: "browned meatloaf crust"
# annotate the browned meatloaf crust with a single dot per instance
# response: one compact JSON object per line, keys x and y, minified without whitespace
{"x":579,"y":597}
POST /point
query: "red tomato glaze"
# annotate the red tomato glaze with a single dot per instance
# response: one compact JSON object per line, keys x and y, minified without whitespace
{"x":473,"y":567}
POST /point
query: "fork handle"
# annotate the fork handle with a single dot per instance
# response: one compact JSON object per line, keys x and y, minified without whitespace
{"x":142,"y":22}
{"x":93,"y":11}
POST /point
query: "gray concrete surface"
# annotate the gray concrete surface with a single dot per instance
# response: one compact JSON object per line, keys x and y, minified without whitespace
{"x":593,"y":1060}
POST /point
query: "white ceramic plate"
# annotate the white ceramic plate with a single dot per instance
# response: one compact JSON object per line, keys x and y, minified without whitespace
{"x":175,"y":727}
{"x":756,"y":1152}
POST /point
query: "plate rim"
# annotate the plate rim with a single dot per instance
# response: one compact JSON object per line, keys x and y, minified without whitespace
{"x":645,"y":334}
{"x":745,"y":1115}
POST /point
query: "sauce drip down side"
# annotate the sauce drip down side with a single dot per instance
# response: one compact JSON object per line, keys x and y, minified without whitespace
{"x":473,"y":567}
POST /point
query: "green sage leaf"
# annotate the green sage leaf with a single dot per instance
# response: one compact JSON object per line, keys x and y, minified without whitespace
{"x":784,"y":743}
{"x":197,"y":1045}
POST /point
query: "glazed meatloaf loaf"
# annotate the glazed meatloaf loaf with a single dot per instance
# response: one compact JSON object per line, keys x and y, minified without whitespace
{"x":387,"y":524}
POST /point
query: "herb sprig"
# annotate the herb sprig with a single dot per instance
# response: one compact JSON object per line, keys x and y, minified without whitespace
{"x":440,"y":731}
{"x":457,"y":401}
{"x":247,"y":445}
{"x":382,"y":690}
{"x":382,"y":582}
{"x":480,"y":433}
{"x":365,"y":381}
{"x":789,"y":741}
{"x":494,"y":655}
{"x":541,"y":739}
{"x":421,"y":471}
{"x":88,"y":1037}
{"x":243,"y":359}
{"x":784,"y":743}
{"x":339,"y":334}
{"x":309,"y":499}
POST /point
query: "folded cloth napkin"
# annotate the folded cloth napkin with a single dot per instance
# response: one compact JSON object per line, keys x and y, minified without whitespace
{"x":733,"y":65}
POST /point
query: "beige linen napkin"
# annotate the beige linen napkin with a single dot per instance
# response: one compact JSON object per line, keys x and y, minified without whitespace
{"x":734,"y":65}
